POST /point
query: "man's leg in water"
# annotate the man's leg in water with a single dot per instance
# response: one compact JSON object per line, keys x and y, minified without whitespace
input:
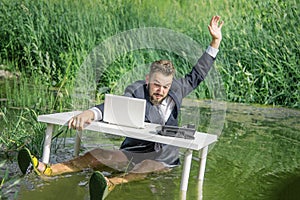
{"x":139,"y":172}
{"x":100,"y":186}
{"x":97,"y":159}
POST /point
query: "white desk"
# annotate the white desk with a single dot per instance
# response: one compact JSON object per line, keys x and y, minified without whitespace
{"x":201,"y":142}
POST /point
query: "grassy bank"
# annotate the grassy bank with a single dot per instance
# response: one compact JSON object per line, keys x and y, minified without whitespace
{"x":47,"y":41}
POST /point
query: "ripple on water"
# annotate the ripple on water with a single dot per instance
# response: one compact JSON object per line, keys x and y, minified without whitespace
{"x":256,"y":157}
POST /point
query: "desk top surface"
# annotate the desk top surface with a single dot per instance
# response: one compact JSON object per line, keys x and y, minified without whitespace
{"x":148,"y":133}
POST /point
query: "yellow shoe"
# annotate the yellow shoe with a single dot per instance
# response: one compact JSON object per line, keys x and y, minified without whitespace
{"x":27,"y":162}
{"x":47,"y":171}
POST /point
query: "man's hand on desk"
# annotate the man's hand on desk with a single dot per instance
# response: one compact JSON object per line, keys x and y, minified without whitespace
{"x":77,"y":122}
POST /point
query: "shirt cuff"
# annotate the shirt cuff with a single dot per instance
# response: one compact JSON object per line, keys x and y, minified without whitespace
{"x":97,"y":113}
{"x":212,"y":51}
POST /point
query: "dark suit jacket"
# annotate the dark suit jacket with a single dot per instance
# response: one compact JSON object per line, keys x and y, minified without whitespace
{"x":180,"y":88}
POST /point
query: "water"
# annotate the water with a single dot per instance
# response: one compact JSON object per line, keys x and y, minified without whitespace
{"x":256,"y":157}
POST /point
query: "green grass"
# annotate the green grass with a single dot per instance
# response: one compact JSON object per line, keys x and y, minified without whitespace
{"x":19,"y":129}
{"x":258,"y":59}
{"x":263,"y":58}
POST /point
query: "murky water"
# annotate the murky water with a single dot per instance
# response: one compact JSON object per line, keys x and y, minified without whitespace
{"x":256,"y":157}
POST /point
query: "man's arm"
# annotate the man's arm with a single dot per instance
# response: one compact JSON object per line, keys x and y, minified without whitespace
{"x":202,"y":67}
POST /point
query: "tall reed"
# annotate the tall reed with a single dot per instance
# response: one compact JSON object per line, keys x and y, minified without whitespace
{"x":259,"y":56}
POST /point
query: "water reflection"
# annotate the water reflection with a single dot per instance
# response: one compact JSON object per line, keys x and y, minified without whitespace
{"x":258,"y":148}
{"x":288,"y":189}
{"x":256,"y":157}
{"x":61,"y":187}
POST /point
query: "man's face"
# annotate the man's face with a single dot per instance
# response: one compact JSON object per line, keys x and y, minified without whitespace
{"x":159,"y":86}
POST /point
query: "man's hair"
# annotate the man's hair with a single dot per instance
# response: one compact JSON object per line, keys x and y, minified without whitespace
{"x":163,"y":66}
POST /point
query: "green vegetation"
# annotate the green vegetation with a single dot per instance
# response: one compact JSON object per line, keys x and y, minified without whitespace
{"x":47,"y":41}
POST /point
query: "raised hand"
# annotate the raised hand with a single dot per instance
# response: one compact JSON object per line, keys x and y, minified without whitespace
{"x":214,"y":28}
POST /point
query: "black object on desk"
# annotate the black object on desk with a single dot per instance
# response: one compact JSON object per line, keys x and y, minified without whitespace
{"x":180,"y":132}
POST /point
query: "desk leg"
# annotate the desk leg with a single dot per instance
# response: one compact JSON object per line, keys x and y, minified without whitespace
{"x":186,"y":173}
{"x":201,"y":172}
{"x":47,"y":144}
{"x":77,"y":143}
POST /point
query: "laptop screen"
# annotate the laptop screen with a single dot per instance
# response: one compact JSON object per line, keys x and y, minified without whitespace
{"x":124,"y":111}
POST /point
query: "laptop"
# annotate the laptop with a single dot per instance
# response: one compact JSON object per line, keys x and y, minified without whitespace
{"x":124,"y":111}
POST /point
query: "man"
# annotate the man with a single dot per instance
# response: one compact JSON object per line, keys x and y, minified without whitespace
{"x":163,"y":94}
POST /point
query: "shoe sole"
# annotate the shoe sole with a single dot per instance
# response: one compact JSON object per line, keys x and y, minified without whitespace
{"x":24,"y":160}
{"x":98,"y":186}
